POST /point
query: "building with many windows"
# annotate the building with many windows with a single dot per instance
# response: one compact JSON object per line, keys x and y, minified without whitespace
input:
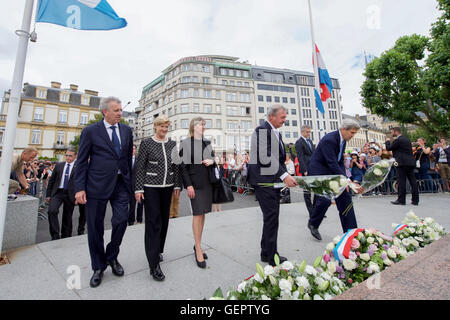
{"x":233,"y":98}
{"x":50,"y":117}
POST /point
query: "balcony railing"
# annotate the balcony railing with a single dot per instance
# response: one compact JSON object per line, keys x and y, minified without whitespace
{"x":60,"y":146}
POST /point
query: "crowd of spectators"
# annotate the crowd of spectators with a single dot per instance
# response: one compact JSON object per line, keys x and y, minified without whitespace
{"x":432,"y":174}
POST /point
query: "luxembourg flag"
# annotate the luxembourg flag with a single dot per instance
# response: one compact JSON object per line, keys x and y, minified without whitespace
{"x":80,"y":14}
{"x":324,"y":83}
{"x":399,"y":228}
{"x":342,"y":249}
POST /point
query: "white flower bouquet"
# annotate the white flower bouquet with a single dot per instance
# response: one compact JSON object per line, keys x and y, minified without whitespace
{"x":286,"y":281}
{"x":348,"y":260}
{"x":376,"y":174}
{"x":415,"y":232}
{"x":329,"y":186}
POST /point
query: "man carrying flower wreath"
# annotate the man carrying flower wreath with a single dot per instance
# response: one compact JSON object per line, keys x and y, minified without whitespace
{"x":328,"y":159}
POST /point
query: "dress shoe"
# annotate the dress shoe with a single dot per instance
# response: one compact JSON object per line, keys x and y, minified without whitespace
{"x":315,"y":232}
{"x":157,"y":273}
{"x":396,"y":202}
{"x":415,"y":203}
{"x":205,"y":256}
{"x":116,"y":267}
{"x":161,"y":258}
{"x":96,"y":278}
{"x":266,"y":259}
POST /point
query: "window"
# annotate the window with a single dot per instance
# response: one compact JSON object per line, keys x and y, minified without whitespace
{"x":218,"y":108}
{"x":84,"y":118}
{"x":64,"y":97}
{"x":246,"y":84}
{"x":218,"y":95}
{"x":208,"y":123}
{"x":207,"y":94}
{"x":260,"y":98}
{"x":284,"y":100}
{"x":292,"y":100}
{"x":185,"y":67}
{"x":295,"y":134}
{"x":36,"y":137}
{"x":223,"y":71}
{"x":277,"y":99}
{"x":85,"y":101}
{"x":186,"y":79}
{"x":293,"y":111}
{"x":196,"y":93}
{"x":184,"y":123}
{"x":287,"y":134}
{"x":39,"y":114}
{"x":232,"y":124}
{"x":286,"y":123}
{"x":194,"y":79}
{"x":205,"y":68}
{"x":62,"y":116}
{"x":230,"y":72}
{"x":185,"y":93}
{"x":184,"y":108}
{"x":207,"y":108}
{"x":206,"y":80}
{"x":196,"y":108}
{"x":244,"y":97}
{"x":41,"y":94}
{"x":224,"y":82}
{"x":60,"y":137}
{"x":238,"y":73}
{"x":218,"y":123}
{"x":294,"y":123}
{"x":245,"y":74}
{"x":232,"y":111}
{"x":269,"y":98}
{"x":260,"y":109}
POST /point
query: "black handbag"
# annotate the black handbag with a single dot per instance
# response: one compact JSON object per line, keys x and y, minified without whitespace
{"x":212,"y":174}
{"x":222,"y":192}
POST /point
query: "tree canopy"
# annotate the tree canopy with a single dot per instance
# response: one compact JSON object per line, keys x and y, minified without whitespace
{"x":410,"y":82}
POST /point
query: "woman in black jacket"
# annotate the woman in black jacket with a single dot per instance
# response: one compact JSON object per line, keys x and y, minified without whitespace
{"x":196,"y":156}
{"x":157,"y":176}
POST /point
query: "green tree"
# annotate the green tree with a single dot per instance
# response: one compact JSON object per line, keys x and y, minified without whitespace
{"x":410,"y":82}
{"x":98,"y":117}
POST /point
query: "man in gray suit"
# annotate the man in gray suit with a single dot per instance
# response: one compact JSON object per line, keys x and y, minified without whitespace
{"x":304,"y":149}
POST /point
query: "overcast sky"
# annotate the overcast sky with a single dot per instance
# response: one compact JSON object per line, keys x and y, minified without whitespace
{"x":264,"y":32}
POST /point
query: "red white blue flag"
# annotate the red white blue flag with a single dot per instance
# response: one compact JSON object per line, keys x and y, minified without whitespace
{"x":399,"y":228}
{"x":342,"y":249}
{"x":324,"y":85}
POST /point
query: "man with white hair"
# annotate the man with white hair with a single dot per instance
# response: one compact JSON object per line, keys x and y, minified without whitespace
{"x":104,"y":169}
{"x":328,"y":159}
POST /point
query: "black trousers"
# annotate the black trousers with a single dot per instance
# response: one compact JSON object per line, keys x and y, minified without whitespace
{"x":95,"y":216}
{"x":61,"y":197}
{"x":157,"y":210}
{"x":321,"y":205}
{"x":269,"y":201}
{"x":404,"y":173}
{"x":309,"y":205}
{"x":81,"y":219}
{"x":132,"y":216}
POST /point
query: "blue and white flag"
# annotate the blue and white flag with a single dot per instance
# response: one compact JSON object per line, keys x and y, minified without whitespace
{"x":80,"y":14}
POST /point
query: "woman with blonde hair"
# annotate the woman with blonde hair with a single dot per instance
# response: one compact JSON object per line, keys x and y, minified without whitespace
{"x":157,"y":177}
{"x":196,"y":156}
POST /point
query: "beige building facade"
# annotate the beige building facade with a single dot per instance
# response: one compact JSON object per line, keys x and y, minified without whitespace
{"x":50,"y":117}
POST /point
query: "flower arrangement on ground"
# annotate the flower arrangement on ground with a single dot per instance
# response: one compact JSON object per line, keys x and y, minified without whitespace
{"x":347,"y":260}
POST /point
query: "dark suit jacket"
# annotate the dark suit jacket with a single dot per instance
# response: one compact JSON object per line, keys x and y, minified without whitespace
{"x":325,"y":158}
{"x":304,"y":154}
{"x":402,"y":151}
{"x":190,"y":170}
{"x":267,"y":156}
{"x":55,"y":180}
{"x":98,"y":176}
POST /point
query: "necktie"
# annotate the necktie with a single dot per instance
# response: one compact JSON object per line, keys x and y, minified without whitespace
{"x":309,"y":143}
{"x":281,"y":143}
{"x":341,"y":150}
{"x":66,"y":177}
{"x":115,"y":140}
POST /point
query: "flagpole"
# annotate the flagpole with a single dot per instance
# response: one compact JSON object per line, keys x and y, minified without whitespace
{"x":13,"y":111}
{"x":315,"y":66}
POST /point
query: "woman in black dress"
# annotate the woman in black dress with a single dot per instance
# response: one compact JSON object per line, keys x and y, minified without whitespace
{"x":197,"y":155}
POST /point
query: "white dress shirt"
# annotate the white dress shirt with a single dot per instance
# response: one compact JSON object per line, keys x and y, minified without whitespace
{"x":61,"y":183}
{"x":283,"y":176}
{"x":110,"y":131}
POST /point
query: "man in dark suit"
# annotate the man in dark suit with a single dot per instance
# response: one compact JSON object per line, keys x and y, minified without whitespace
{"x":402,"y":151}
{"x":59,"y":190}
{"x":108,"y":145}
{"x":305,"y":148}
{"x":328,"y":159}
{"x":267,"y":165}
{"x":132,"y":209}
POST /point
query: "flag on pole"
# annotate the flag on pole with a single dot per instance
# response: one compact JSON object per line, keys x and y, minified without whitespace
{"x":324,"y":81}
{"x":80,"y":14}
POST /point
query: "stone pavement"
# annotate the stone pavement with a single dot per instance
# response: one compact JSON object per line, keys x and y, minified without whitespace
{"x":230,"y":238}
